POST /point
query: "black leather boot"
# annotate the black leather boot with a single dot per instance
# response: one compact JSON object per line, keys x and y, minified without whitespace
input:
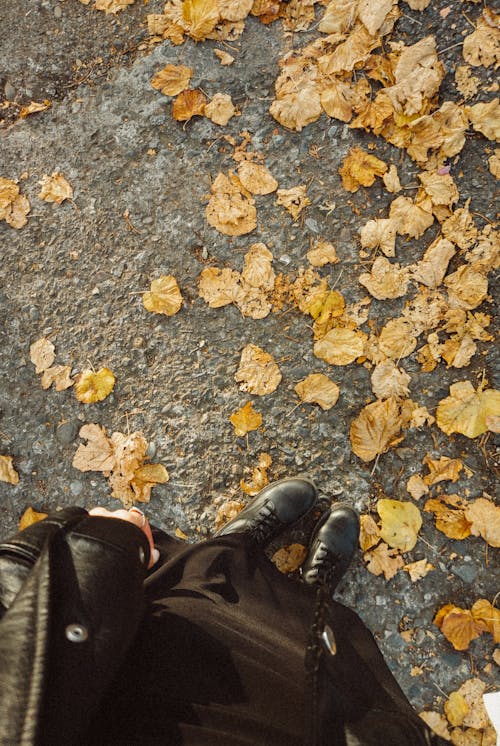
{"x":274,"y":509}
{"x":332,"y":547}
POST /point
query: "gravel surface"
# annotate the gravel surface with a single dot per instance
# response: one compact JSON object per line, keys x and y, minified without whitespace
{"x":75,"y":274}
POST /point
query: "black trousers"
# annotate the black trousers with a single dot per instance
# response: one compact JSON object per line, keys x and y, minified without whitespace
{"x":230,"y":652}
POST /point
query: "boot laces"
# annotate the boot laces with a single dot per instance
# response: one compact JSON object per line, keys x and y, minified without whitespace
{"x":264,"y":524}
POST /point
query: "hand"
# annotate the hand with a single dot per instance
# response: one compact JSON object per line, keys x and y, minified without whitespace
{"x":135,"y":516}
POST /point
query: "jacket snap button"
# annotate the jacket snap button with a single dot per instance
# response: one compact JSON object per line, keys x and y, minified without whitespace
{"x":76,"y":633}
{"x":329,"y":640}
{"x":142,"y":555}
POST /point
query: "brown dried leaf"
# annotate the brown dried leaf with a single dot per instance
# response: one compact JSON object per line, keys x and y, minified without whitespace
{"x":92,"y":387}
{"x":259,"y":478}
{"x":466,"y":409}
{"x":322,"y":253}
{"x":58,"y":374}
{"x":172,"y":79}
{"x":494,"y":163}
{"x":466,"y":83}
{"x":418,"y":570}
{"x":369,"y":533}
{"x":14,"y":206}
{"x":7,"y":472}
{"x":55,"y":188}
{"x":482,"y":47}
{"x":388,"y":380}
{"x":416,"y":487}
{"x":385,"y":280}
{"x":436,"y":723}
{"x":380,"y":234}
{"x":485,"y":613}
{"x":189,"y":103}
{"x":340,"y":346}
{"x":383,"y":560}
{"x":410,"y":219}
{"x":229,"y":211}
{"x":29,"y":517}
{"x":112,"y":6}
{"x":199,"y":17}
{"x":224,"y":57}
{"x":297,"y":101}
{"x":245,"y":419}
{"x":450,"y":517}
{"x":485,"y":118}
{"x":220,"y":109}
{"x":431,"y":269}
{"x":34,"y":107}
{"x":442,"y":469}
{"x":460,"y":228}
{"x":318,"y":389}
{"x":226,"y":512}
{"x":258,"y":372}
{"x":376,"y":429}
{"x":391,"y":180}
{"x":360,"y":169}
{"x":458,"y":626}
{"x":42,"y":354}
{"x":219,"y":287}
{"x":289,"y":558}
{"x":256,"y":178}
{"x":257,"y":269}
{"x":98,"y":453}
{"x":164,"y":296}
{"x":294,"y":200}
{"x":397,"y":338}
{"x":484,"y":518}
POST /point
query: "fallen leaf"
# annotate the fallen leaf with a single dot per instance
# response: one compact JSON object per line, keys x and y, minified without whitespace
{"x":172,"y":79}
{"x":322,"y":253}
{"x":318,"y":389}
{"x":401,"y":522}
{"x":92,"y":387}
{"x":418,"y":74}
{"x":458,"y":626}
{"x":485,"y":118}
{"x":340,"y":346}
{"x":456,"y":708}
{"x":164,"y":296}
{"x":245,"y":419}
{"x":472,"y":692}
{"x":220,"y":109}
{"x":34,"y":107}
{"x":144,"y":479}
{"x":289,"y":558}
{"x":484,"y":612}
{"x":219,"y":287}
{"x":418,"y":570}
{"x":229,"y":211}
{"x":7,"y":472}
{"x":224,"y":57}
{"x":442,"y":469}
{"x":416,"y":487}
{"x":383,"y":560}
{"x":42,"y":354}
{"x":484,"y":518}
{"x":188,"y":104}
{"x":14,"y":207}
{"x":385,"y":280}
{"x":226,"y":512}
{"x":436,"y":723}
{"x":467,"y":288}
{"x":360,"y":169}
{"x":369,"y":533}
{"x":410,"y":219}
{"x":98,"y":453}
{"x":29,"y":517}
{"x":55,"y":188}
{"x":449,"y":514}
{"x":257,"y":372}
{"x":112,"y":6}
{"x":465,"y":409}
{"x":431,"y":269}
{"x":60,"y":375}
{"x":391,"y":180}
{"x":180,"y":534}
{"x":466,"y":83}
{"x":482,"y":46}
{"x":494,"y":163}
{"x":259,"y":478}
{"x":388,"y":380}
{"x":199,"y":17}
{"x":397,"y":339}
{"x":380,"y":234}
{"x":256,"y":178}
{"x":460,"y":227}
{"x":257,"y":268}
{"x":297,"y":101}
{"x":376,"y":429}
{"x":294,"y":200}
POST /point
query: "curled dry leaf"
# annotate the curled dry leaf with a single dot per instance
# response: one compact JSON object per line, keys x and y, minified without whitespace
{"x":369,"y":533}
{"x":389,"y":380}
{"x":482,"y":47}
{"x":442,"y":469}
{"x":289,"y":558}
{"x":256,"y":178}
{"x":29,"y":517}
{"x":449,"y":514}
{"x":259,"y":478}
{"x":294,"y":200}
{"x":14,"y":206}
{"x":258,"y":372}
{"x":383,"y":560}
{"x":219,"y":287}
{"x":377,"y":428}
{"x":322,"y":253}
{"x":416,"y":487}
{"x":461,"y":626}
{"x":318,"y":389}
{"x":391,"y":179}
{"x":55,"y":188}
{"x":98,"y":453}
{"x":431,"y":269}
{"x":467,"y":288}
{"x":360,"y":169}
{"x":297,"y":101}
{"x":401,"y":522}
{"x":172,"y":79}
{"x":229,"y":210}
{"x":164,"y":296}
{"x":410,"y":219}
{"x":60,"y":375}
{"x":199,"y":17}
{"x":189,"y":103}
{"x":224,"y":57}
{"x":220,"y":109}
{"x":418,"y":570}
{"x":385,"y":280}
{"x":456,"y":708}
{"x":112,"y":6}
{"x":460,"y":228}
{"x":484,"y":518}
{"x":441,"y":188}
{"x":340,"y":346}
{"x":92,"y":387}
{"x":42,"y":354}
{"x":245,"y":419}
{"x":34,"y":107}
{"x":7,"y":472}
{"x":436,"y":723}
{"x":380,"y":234}
{"x":226,"y":512}
{"x":465,"y":410}
{"x":485,"y":118}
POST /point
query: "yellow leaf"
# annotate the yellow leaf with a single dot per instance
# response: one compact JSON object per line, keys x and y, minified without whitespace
{"x":181,"y":535}
{"x":294,"y":200}
{"x":112,"y":6}
{"x":220,"y":109}
{"x":485,"y":613}
{"x":155,"y":473}
{"x":297,"y":101}
{"x":55,"y":188}
{"x":199,"y":17}
{"x":458,"y":626}
{"x":289,"y":558}
{"x":92,"y":387}
{"x":256,"y":178}
{"x":383,"y":560}
{"x":257,"y":372}
{"x":42,"y":354}
{"x":376,"y":429}
{"x":29,"y":517}
{"x":229,"y":210}
{"x":245,"y":419}
{"x":391,"y":180}
{"x":485,"y":118}
{"x":397,"y":338}
{"x":456,"y":708}
{"x":476,"y":717}
{"x":14,"y":206}
{"x":33,"y":108}
{"x":431,"y":269}
{"x":369,"y":534}
{"x":7,"y":472}
{"x":410,"y":219}
{"x":172,"y":79}
{"x":164,"y":296}
{"x":418,"y":570}
{"x":58,"y":374}
{"x":322,"y":253}
{"x":224,"y":57}
{"x":259,"y":477}
{"x":189,"y":103}
{"x":340,"y":346}
{"x":466,"y":409}
{"x":484,"y":518}
{"x":386,"y":280}
{"x":467,"y":288}
{"x":401,"y":522}
{"x":436,"y":723}
{"x":226,"y":512}
{"x":450,"y":516}
{"x":360,"y":169}
{"x":318,"y":389}
{"x":442,"y":469}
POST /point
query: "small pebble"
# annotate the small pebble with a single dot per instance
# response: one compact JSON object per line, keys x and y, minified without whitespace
{"x":10,"y":91}
{"x":75,"y":487}
{"x":58,"y":11}
{"x":66,"y":433}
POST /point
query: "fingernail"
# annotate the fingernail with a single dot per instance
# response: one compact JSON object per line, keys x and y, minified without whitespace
{"x":155,"y":554}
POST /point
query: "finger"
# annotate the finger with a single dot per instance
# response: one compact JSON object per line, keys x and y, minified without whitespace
{"x":138,"y":519}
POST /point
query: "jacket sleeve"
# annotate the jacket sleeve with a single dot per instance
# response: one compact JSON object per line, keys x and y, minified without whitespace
{"x":71,"y":601}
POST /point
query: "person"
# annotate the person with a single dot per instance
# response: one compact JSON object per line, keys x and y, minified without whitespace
{"x":113,"y":632}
